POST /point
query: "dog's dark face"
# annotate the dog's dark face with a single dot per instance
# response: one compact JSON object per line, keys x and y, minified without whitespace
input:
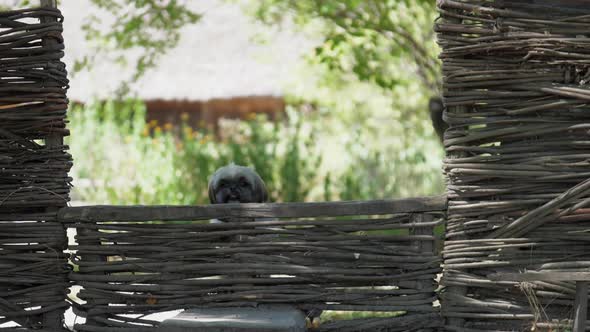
{"x":236,"y":184}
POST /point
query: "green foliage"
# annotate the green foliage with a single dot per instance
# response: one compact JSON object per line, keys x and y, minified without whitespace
{"x":369,"y":78}
{"x":366,"y":38}
{"x":378,"y":143}
{"x":152,"y":26}
{"x":121,"y":160}
{"x":377,"y":175}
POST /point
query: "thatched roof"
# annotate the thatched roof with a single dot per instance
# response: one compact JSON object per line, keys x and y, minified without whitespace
{"x":216,"y":58}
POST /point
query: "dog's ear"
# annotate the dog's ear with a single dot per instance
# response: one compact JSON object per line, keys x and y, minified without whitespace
{"x":260,"y":189}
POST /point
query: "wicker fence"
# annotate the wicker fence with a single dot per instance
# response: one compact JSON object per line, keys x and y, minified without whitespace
{"x":516,"y":89}
{"x":134,"y":261}
{"x":516,"y":75}
{"x":375,"y":256}
{"x":34,"y":168}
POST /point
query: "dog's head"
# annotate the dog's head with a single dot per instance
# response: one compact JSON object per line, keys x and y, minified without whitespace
{"x":236,"y":184}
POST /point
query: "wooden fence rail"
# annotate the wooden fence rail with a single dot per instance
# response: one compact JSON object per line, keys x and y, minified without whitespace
{"x":252,"y":210}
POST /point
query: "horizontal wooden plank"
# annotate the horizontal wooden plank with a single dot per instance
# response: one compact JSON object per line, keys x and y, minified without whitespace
{"x":541,"y":276}
{"x":265,"y":210}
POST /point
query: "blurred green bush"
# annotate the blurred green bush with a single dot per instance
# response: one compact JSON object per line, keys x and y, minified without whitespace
{"x":121,"y":159}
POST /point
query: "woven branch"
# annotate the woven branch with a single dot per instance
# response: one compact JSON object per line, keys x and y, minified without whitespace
{"x":33,"y":104}
{"x":352,"y":263}
{"x":516,"y":77}
{"x":34,"y":179}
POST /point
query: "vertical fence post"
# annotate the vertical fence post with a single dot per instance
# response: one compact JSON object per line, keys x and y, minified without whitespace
{"x":54,"y":139}
{"x":80,"y":232}
{"x":53,"y":319}
{"x":581,"y":306}
{"x":459,"y":290}
{"x":425,"y":247}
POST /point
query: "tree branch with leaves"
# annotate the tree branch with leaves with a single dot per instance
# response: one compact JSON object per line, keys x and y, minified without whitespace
{"x":377,"y":41}
{"x":151,"y":26}
{"x":368,"y":34}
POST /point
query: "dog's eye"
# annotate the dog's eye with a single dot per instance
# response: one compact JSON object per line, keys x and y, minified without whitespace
{"x":223,"y":184}
{"x":244,"y":183}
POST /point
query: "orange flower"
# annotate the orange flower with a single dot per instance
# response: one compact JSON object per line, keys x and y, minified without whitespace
{"x":251,"y":116}
{"x":168,"y":126}
{"x":153,"y":123}
{"x":184,"y":116}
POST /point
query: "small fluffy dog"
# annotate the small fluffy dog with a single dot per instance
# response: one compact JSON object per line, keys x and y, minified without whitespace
{"x":236,"y":184}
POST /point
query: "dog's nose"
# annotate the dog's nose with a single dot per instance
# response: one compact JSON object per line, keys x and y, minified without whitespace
{"x":234,"y":193}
